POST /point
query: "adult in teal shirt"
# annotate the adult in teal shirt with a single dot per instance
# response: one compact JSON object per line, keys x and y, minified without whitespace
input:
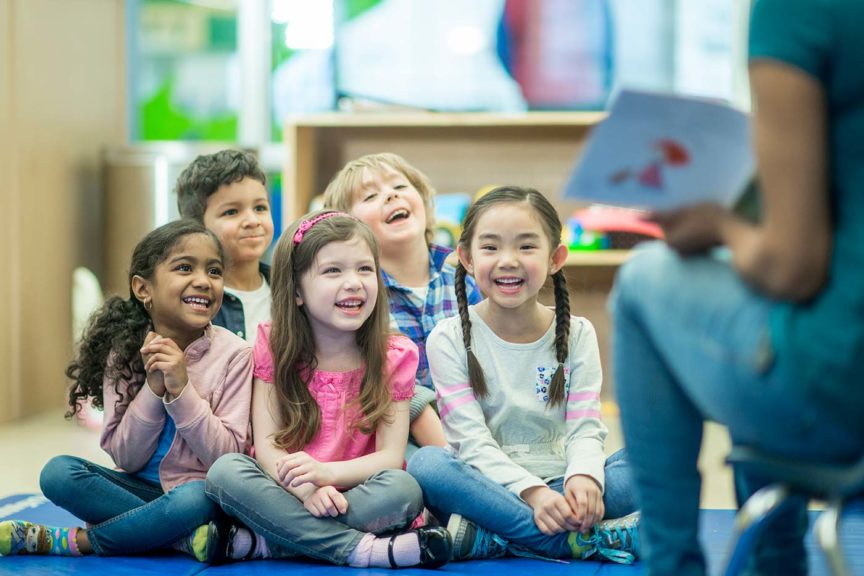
{"x":759,"y":327}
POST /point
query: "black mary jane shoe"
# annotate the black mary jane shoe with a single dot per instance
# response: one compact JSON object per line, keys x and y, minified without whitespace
{"x":436,"y":546}
{"x":220,"y":542}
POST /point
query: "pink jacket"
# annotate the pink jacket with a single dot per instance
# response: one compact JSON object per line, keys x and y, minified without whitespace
{"x":211,"y":414}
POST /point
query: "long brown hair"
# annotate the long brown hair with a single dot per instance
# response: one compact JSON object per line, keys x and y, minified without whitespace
{"x":340,"y":191}
{"x":552,"y":227}
{"x":292,"y":342}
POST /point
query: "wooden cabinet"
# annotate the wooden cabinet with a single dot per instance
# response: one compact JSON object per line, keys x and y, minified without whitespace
{"x":62,"y":100}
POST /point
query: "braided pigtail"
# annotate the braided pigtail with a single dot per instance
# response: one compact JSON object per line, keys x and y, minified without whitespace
{"x":562,"y":338}
{"x":475,"y":373}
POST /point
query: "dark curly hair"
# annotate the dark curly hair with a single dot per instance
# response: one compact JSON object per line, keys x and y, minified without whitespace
{"x":203,"y":177}
{"x":120,"y":326}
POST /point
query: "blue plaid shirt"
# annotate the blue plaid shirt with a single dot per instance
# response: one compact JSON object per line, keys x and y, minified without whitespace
{"x":416,"y":319}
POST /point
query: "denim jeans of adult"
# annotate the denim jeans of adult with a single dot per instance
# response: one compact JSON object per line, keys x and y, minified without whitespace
{"x":388,"y":501}
{"x":451,"y":486}
{"x":692,"y":342}
{"x":126,"y":514}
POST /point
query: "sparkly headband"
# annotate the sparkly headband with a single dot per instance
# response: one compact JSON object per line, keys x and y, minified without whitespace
{"x":307,"y":225}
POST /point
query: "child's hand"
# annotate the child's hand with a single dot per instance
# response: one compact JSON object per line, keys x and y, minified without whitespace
{"x":326,"y":501}
{"x":155,"y":379}
{"x":166,"y":357}
{"x":552,"y":513}
{"x":299,"y":468}
{"x":585,"y":500}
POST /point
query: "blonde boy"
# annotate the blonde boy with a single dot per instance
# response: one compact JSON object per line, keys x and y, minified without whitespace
{"x":396,"y":201}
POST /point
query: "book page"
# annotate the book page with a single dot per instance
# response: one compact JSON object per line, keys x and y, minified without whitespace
{"x":658,"y":152}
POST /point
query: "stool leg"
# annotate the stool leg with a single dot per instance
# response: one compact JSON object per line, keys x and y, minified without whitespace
{"x":827,"y":528}
{"x":754,"y":516}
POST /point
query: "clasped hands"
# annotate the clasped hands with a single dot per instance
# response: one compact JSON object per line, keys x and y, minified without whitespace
{"x":165,"y":365}
{"x":577,"y":510}
{"x":312,"y":482}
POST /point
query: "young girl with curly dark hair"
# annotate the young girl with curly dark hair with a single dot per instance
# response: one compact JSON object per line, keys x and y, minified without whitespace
{"x":176,"y":392}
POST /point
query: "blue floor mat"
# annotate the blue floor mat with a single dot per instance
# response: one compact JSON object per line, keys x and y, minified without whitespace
{"x":715,"y":532}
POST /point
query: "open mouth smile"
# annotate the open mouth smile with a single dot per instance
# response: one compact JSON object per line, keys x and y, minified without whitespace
{"x":350,"y":304}
{"x":397,"y":215}
{"x":197,"y":302}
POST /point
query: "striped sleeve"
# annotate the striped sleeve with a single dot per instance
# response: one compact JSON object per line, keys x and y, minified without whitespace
{"x":585,"y":431}
{"x":462,"y":416}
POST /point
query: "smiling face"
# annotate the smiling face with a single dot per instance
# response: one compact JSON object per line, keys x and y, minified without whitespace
{"x":239,"y":215}
{"x":388,"y":203}
{"x":340,"y":289}
{"x":510,"y":255}
{"x":185,"y":291}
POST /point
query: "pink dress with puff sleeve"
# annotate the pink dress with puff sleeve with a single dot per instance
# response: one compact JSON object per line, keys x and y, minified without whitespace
{"x":337,"y":439}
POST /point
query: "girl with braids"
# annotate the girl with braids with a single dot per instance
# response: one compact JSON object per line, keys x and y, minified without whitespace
{"x":329,"y":414}
{"x":176,"y":392}
{"x":518,"y":388}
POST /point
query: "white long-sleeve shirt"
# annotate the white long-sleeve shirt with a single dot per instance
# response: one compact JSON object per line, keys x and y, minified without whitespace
{"x":512,"y":435}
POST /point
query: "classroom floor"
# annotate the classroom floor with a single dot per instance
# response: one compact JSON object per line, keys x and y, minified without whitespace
{"x":26,"y":445}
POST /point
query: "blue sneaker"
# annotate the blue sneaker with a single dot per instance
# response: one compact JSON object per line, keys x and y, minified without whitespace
{"x":472,"y":542}
{"x":616,"y":540}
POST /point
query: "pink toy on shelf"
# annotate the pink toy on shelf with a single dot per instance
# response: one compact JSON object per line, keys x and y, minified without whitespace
{"x":613,"y":219}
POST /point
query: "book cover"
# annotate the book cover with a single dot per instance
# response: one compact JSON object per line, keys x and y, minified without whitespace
{"x":664,"y":151}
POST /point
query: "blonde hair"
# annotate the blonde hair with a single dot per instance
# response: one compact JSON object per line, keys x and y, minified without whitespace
{"x":340,"y":191}
{"x":292,"y":342}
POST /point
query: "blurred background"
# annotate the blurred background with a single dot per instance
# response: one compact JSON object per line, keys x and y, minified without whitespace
{"x":104,"y":102}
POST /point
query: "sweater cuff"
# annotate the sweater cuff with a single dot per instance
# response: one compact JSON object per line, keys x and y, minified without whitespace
{"x":422,"y":398}
{"x":188,"y":407}
{"x":522,"y":485}
{"x":596,"y":473}
{"x":147,"y":406}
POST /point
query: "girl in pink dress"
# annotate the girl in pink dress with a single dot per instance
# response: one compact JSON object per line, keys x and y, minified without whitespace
{"x":329,"y":414}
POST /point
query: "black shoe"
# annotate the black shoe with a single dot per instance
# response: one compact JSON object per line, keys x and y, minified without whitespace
{"x":435,"y":547}
{"x":220,"y":542}
{"x":219,"y":536}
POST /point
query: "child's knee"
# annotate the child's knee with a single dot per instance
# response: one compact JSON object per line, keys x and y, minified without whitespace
{"x":190,"y":498}
{"x":55,"y":475}
{"x":404,"y":483}
{"x":224,"y":472}
{"x":426,"y":461}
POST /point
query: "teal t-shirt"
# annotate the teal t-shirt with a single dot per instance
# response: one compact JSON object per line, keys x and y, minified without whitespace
{"x":150,"y":472}
{"x":821,"y":342}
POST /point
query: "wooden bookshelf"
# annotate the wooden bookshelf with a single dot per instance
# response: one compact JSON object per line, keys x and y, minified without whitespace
{"x":459,"y":152}
{"x":463,"y":153}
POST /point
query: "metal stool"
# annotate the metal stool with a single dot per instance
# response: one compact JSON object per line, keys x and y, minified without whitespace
{"x":836,"y":484}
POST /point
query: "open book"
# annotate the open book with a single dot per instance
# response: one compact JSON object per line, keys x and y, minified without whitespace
{"x":663,"y":151}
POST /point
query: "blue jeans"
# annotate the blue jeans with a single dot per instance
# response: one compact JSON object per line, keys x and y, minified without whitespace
{"x":388,"y":501}
{"x":451,"y":486}
{"x":692,"y":342}
{"x":127,"y":515}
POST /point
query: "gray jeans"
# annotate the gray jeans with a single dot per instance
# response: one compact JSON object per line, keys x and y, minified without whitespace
{"x":388,"y":501}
